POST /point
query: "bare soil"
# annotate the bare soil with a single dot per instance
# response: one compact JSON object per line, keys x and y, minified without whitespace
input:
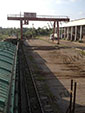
{"x":57,"y":65}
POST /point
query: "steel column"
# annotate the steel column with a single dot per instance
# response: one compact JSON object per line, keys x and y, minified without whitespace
{"x":54,"y":29}
{"x":74,"y":100}
{"x":21,"y":26}
{"x":71,"y":96}
{"x":58,"y":31}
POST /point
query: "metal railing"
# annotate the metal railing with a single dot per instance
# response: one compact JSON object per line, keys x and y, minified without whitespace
{"x":38,"y":16}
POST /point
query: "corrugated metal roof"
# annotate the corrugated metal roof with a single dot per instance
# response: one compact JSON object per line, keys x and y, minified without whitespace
{"x":7,"y":53}
{"x":77,"y":22}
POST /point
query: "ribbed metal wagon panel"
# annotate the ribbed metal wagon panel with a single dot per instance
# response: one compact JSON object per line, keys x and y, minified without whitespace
{"x":7,"y":74}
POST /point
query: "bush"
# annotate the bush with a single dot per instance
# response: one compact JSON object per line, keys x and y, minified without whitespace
{"x":80,"y":41}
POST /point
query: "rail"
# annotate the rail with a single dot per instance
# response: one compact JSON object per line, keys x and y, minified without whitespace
{"x":31,"y":97}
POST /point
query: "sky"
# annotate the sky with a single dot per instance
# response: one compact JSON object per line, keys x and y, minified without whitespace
{"x":74,"y":9}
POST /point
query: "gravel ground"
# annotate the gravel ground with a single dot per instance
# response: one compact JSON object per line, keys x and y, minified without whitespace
{"x":57,"y":65}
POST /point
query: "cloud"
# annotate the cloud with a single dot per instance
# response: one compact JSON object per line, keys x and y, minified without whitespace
{"x":81,"y":13}
{"x":60,"y":1}
{"x":73,"y":0}
{"x":65,"y":1}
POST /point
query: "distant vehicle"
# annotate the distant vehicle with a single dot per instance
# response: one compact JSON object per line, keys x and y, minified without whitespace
{"x":55,"y":36}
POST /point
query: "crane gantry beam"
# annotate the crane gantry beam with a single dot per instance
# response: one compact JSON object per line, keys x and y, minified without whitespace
{"x":38,"y":19}
{"x":55,"y":19}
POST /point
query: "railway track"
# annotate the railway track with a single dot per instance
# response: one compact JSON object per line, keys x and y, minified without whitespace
{"x":29,"y":101}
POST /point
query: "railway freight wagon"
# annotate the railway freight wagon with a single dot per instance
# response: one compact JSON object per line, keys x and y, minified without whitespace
{"x":8,"y":59}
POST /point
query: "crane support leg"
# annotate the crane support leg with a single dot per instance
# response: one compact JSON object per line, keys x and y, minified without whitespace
{"x":58,"y":31}
{"x":54,"y":27}
{"x":21,"y":28}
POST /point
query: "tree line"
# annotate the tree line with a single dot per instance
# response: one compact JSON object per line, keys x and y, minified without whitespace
{"x":27,"y":32}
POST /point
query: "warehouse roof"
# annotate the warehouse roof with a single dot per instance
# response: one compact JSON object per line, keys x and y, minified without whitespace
{"x":77,"y":22}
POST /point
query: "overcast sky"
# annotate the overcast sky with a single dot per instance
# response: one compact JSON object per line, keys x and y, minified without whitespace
{"x":75,"y":9}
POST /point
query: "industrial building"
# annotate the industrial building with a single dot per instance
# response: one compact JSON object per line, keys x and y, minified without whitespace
{"x":74,"y":30}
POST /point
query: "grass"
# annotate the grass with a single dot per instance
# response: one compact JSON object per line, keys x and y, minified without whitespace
{"x":40,"y":78}
{"x":80,"y":41}
{"x":83,"y":52}
{"x":44,"y":40}
{"x":51,"y":98}
{"x":31,"y":58}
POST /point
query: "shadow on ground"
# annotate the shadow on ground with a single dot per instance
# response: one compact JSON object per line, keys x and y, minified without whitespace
{"x":58,"y":90}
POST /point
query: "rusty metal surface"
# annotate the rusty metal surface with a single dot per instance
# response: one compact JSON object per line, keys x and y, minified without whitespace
{"x":38,"y":18}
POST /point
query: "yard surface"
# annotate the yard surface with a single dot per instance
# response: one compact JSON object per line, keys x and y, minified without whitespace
{"x":54,"y":66}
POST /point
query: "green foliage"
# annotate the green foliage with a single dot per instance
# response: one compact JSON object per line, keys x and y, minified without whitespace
{"x":32,"y":32}
{"x":9,"y":32}
{"x":80,"y":41}
{"x":27,"y":32}
{"x":3,"y":37}
{"x":83,"y":52}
